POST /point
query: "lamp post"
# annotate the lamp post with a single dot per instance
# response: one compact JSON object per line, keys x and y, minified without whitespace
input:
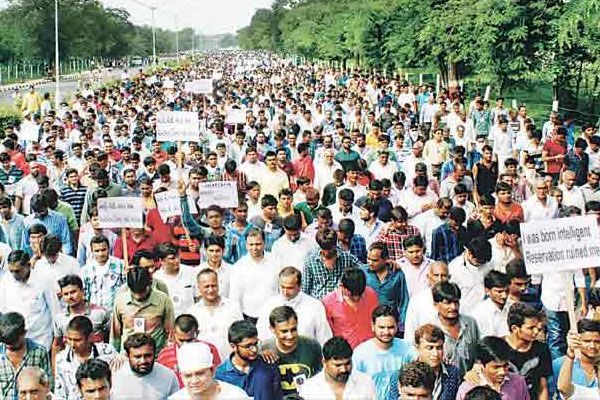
{"x":153,"y":36}
{"x":56,"y":58}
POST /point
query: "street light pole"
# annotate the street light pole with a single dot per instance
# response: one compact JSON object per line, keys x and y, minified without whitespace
{"x":153,"y":36}
{"x":56,"y":58}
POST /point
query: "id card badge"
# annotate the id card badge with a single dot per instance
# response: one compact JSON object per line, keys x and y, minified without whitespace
{"x":139,"y":325}
{"x":299,"y":380}
{"x":11,"y":180}
{"x":268,"y":228}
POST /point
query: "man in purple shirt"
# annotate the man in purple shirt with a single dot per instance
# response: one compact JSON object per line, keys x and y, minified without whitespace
{"x":493,"y":357}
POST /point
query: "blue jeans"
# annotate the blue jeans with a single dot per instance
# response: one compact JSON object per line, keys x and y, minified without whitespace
{"x":558,"y":327}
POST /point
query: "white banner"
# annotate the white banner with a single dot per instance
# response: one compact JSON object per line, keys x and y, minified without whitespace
{"x":120,"y":212}
{"x":199,"y":86}
{"x":561,"y":244}
{"x":169,"y":204}
{"x":174,"y":126}
{"x":221,"y":193}
{"x":235,"y":116}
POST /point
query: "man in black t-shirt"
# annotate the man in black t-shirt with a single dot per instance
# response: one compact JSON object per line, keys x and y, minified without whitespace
{"x":298,"y":357}
{"x":528,"y":357}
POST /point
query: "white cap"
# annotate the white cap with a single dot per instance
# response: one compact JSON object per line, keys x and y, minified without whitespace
{"x":194,"y":356}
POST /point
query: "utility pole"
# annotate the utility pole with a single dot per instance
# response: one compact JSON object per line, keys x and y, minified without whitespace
{"x":154,"y":36}
{"x":56,"y":59}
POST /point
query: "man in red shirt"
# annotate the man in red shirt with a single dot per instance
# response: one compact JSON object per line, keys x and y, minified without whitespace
{"x":350,"y":307}
{"x":303,"y":166}
{"x":553,"y":153}
{"x":186,"y":331}
{"x":137,"y":239}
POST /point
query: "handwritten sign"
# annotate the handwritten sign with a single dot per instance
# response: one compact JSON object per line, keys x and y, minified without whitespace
{"x":169,"y":204}
{"x":151,"y":80}
{"x":199,"y":86}
{"x":221,"y":193}
{"x":235,"y":116}
{"x":561,"y":244}
{"x":120,"y":212}
{"x":177,"y":126}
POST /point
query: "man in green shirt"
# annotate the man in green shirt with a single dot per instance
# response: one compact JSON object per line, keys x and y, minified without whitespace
{"x":311,"y":206}
{"x":141,"y":309}
{"x":297,"y":357}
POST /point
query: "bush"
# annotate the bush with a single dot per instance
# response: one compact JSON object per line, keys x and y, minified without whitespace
{"x":9,"y":116}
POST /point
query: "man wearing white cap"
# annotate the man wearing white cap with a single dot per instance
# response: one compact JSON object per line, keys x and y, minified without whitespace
{"x":196,"y":366}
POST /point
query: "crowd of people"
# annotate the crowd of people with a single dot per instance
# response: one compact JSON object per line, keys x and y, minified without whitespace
{"x":374,"y":253}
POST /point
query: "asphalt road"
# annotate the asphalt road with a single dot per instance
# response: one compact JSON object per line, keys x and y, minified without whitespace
{"x":65,"y":87}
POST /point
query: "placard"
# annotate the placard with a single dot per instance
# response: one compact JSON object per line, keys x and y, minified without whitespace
{"x":177,"y":126}
{"x":168,"y":84}
{"x":488,"y":90}
{"x":29,"y":132}
{"x":235,"y":116}
{"x":221,"y":193}
{"x":561,"y":244}
{"x":151,"y":80}
{"x":169,"y":204}
{"x":217,"y":76}
{"x":120,"y":212}
{"x":199,"y":86}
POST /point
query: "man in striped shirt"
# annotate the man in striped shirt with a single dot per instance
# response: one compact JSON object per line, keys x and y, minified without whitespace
{"x":74,"y":192}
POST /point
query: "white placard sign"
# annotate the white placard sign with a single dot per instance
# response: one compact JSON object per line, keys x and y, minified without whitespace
{"x":168,"y":84}
{"x":151,"y":80}
{"x":221,"y":193}
{"x":30,"y":132}
{"x":235,"y":116}
{"x":177,"y":126}
{"x":169,"y":204}
{"x":120,"y":212}
{"x":199,"y":86}
{"x":217,"y":76}
{"x":560,"y":244}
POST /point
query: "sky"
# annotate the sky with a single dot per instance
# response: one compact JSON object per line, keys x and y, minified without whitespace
{"x":208,"y":17}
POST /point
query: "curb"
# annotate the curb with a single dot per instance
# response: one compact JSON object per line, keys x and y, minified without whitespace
{"x":36,"y":82}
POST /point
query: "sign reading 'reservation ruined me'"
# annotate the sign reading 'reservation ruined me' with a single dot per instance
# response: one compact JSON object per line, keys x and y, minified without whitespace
{"x":561,"y":244}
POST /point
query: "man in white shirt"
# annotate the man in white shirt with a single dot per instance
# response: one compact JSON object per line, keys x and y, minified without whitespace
{"x":272,"y":179}
{"x":541,"y":206}
{"x":430,"y":220}
{"x":292,"y":248}
{"x":418,"y":199}
{"x":572,"y":195}
{"x":30,"y":293}
{"x":179,"y":278}
{"x":54,"y":263}
{"x":505,"y":245}
{"x":352,"y":183}
{"x":312,"y":321}
{"x":214,"y":247}
{"x":469,"y":269}
{"x":491,"y":314}
{"x":325,"y":169}
{"x":382,"y":168}
{"x":142,"y":378}
{"x":502,"y":141}
{"x":195,"y":361}
{"x":344,"y":208}
{"x":214,"y":313}
{"x":420,"y":308}
{"x":251,"y":167}
{"x":254,"y":277}
{"x":338,"y":380}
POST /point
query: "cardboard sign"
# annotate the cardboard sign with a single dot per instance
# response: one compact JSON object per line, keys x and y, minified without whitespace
{"x":199,"y":86}
{"x":561,"y":244}
{"x":488,"y":90}
{"x":177,"y":126}
{"x":221,"y":193}
{"x":169,"y":204}
{"x":235,"y":116}
{"x":120,"y":212}
{"x":29,"y":132}
{"x":152,"y":80}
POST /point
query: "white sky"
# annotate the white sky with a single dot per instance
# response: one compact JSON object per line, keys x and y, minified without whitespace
{"x":206,"y":16}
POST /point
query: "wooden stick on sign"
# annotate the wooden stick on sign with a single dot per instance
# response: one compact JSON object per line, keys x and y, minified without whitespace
{"x":125,"y":255}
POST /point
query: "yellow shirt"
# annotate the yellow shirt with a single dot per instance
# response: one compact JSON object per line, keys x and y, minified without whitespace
{"x":31,"y":102}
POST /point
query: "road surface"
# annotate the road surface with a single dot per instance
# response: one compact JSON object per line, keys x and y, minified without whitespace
{"x":66,"y":87}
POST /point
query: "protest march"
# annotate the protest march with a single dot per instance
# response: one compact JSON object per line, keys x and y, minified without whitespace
{"x":239,"y":225}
